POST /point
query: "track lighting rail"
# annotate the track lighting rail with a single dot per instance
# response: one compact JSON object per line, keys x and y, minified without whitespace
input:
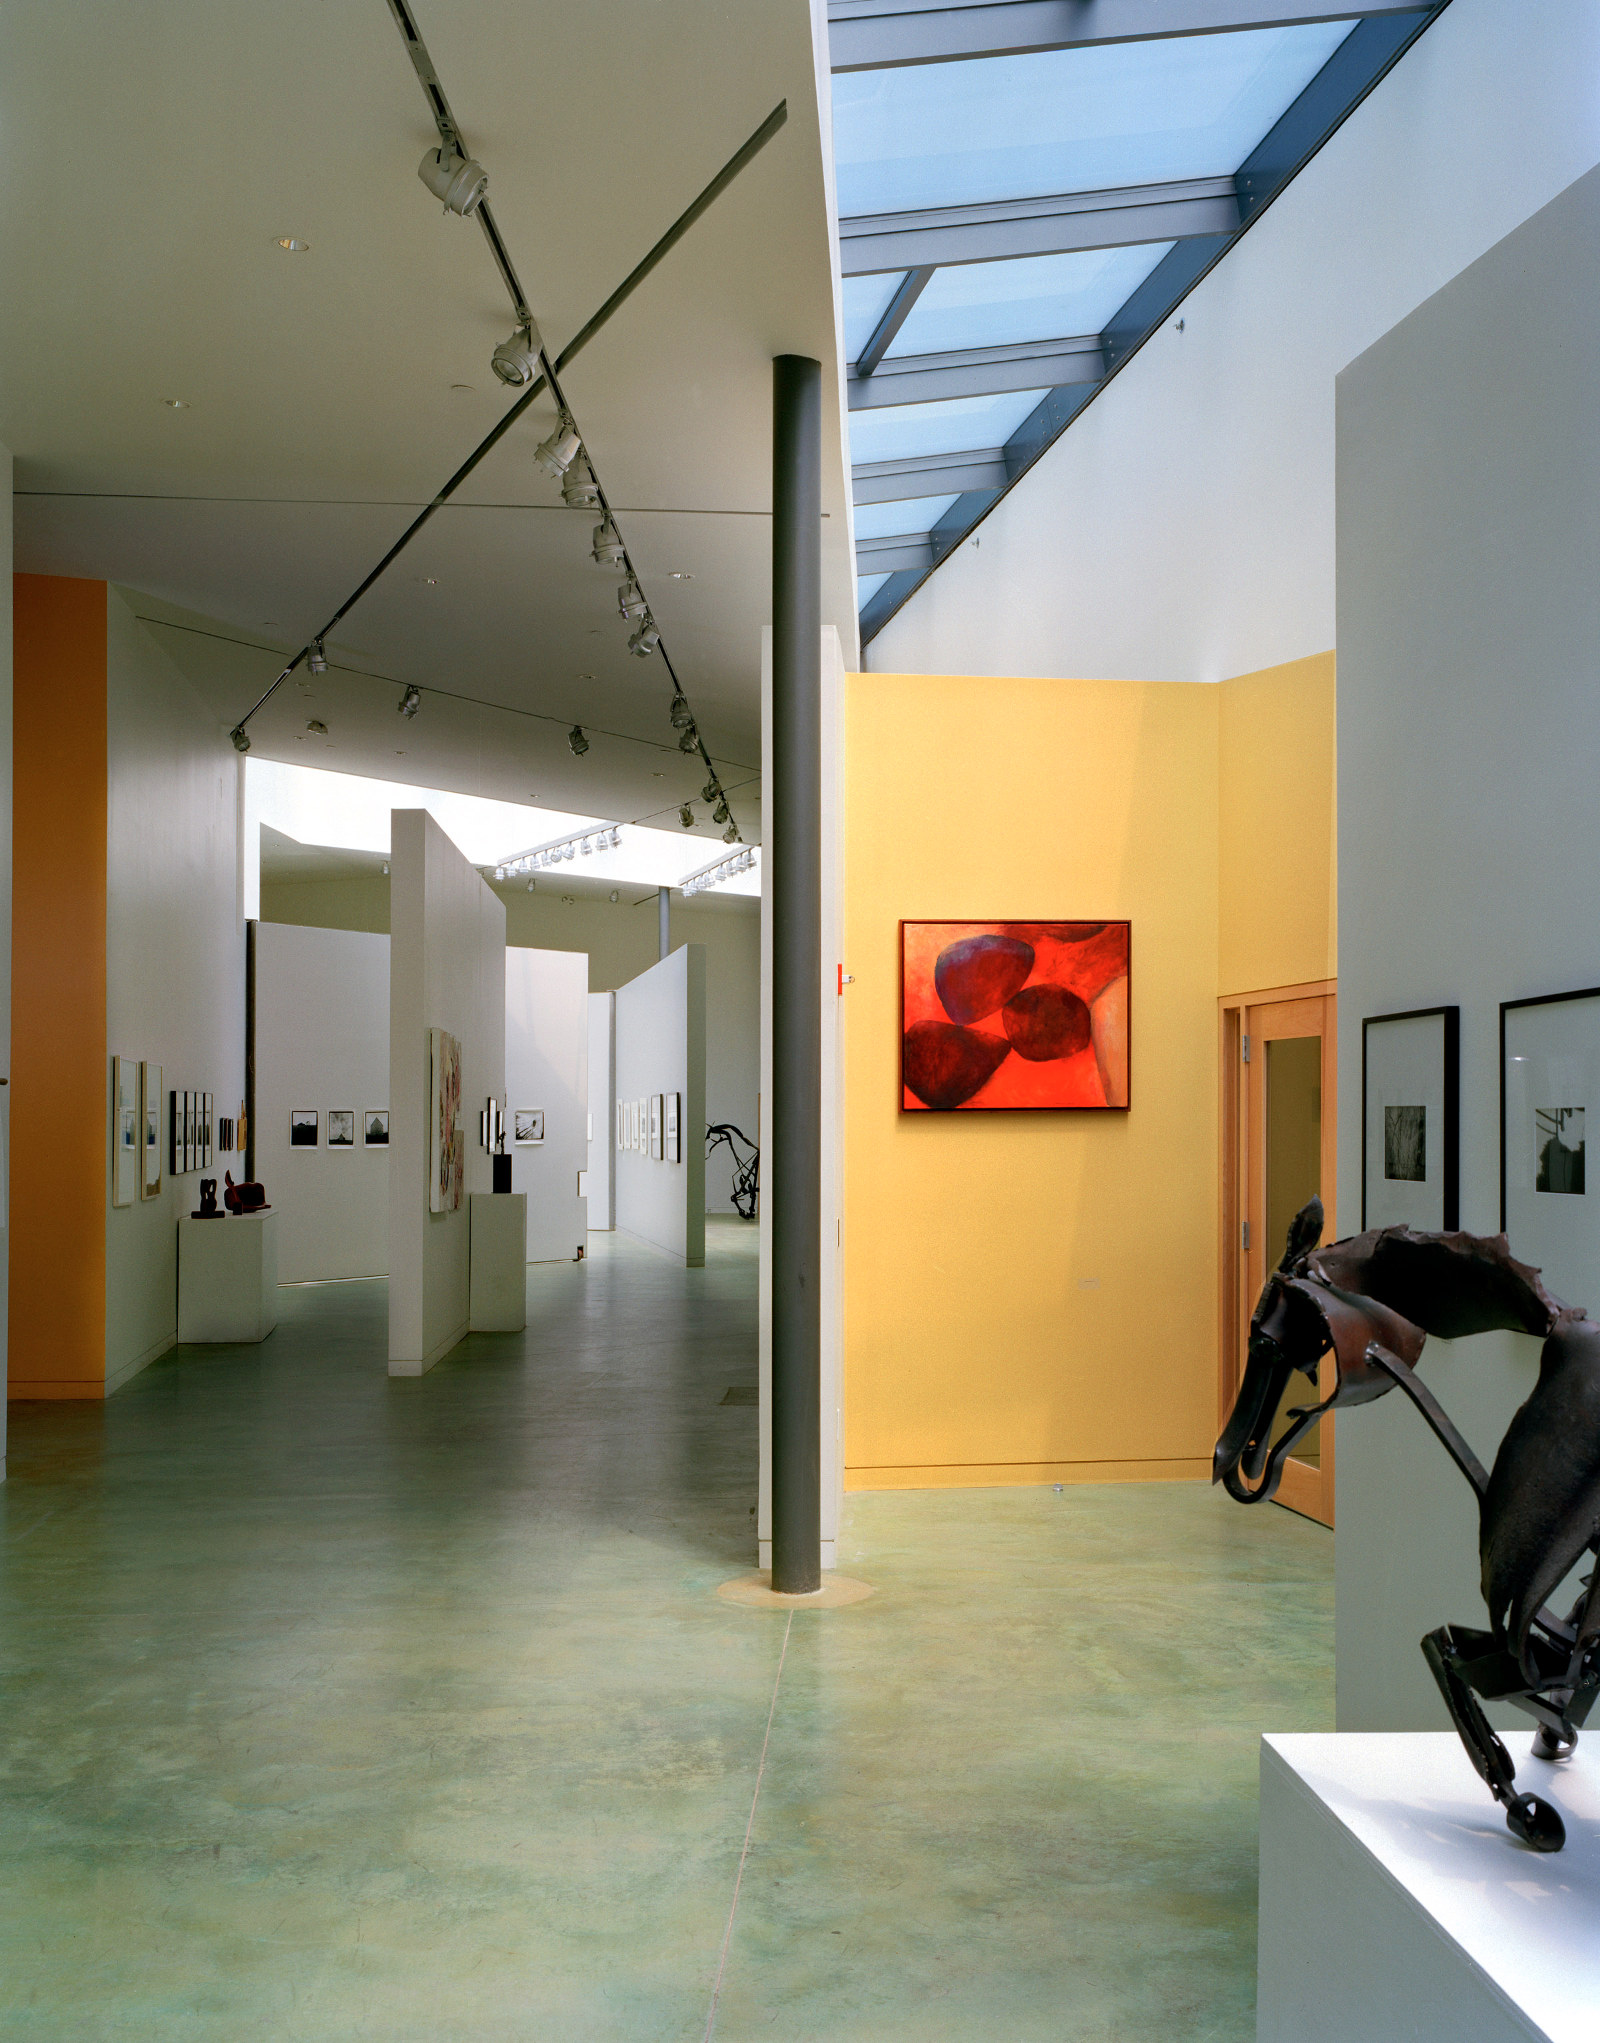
{"x":648,"y":638}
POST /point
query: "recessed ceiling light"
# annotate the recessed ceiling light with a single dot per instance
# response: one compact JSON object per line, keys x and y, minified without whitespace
{"x":292,"y":244}
{"x":428,"y":581}
{"x":269,"y":624}
{"x":468,"y":387}
{"x":679,"y":575}
{"x":584,"y":677}
{"x":176,"y":403}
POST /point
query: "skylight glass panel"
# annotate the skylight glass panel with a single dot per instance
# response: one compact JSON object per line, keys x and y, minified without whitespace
{"x":899,"y":432}
{"x":866,"y":300}
{"x":908,"y":514}
{"x":1067,"y":120}
{"x":867,"y":586}
{"x":1035,"y":297}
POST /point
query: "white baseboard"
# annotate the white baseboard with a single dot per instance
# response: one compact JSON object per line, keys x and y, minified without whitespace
{"x":126,"y":1371}
{"x":409,"y":1368}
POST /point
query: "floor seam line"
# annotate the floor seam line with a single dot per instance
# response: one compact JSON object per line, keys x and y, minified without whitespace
{"x":733,"y":1906}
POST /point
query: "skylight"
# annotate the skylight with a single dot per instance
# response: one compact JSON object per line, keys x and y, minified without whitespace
{"x":1015,"y":221}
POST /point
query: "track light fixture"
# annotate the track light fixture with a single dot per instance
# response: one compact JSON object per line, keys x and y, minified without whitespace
{"x":608,"y":549}
{"x":731,"y":834}
{"x":516,"y":361}
{"x":580,"y":491}
{"x":316,"y":659}
{"x":240,"y":737}
{"x":645,"y":640}
{"x":456,"y":179}
{"x":578,"y":743}
{"x":689,"y":739}
{"x":560,"y":849}
{"x":686,"y":817}
{"x":728,"y":868}
{"x":712,"y":791}
{"x":556,"y":454}
{"x":720,"y":813}
{"x":630,"y":599}
{"x":681,"y":715}
{"x":410,"y":702}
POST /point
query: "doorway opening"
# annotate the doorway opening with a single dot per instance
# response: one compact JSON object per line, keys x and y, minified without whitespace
{"x":1279,"y":1102}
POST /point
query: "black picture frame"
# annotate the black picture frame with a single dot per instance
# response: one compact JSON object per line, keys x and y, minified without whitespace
{"x":1450,"y":1146}
{"x":1511,"y":1007}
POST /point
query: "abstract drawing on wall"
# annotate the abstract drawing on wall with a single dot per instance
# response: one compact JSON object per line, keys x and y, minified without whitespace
{"x":528,"y":1123}
{"x":150,"y":1090}
{"x":1008,"y":1015}
{"x":375,"y":1127}
{"x":341,"y":1127}
{"x":447,"y":1149}
{"x":125,"y":1143}
{"x":302,"y":1127}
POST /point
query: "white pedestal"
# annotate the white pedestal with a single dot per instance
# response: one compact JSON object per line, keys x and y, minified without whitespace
{"x":227,"y":1277}
{"x":498,"y":1285}
{"x":1396,"y":1904}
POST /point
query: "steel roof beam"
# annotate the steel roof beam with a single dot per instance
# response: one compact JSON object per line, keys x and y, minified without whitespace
{"x":872,"y":35}
{"x":977,"y":372}
{"x":885,"y":556}
{"x":929,"y":475}
{"x":895,"y":315}
{"x":870,"y":243}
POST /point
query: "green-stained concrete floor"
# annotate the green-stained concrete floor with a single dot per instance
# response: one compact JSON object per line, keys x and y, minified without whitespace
{"x":338,"y":1708}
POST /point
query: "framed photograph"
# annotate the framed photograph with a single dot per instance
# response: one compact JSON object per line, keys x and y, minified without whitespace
{"x":126,"y":1142}
{"x":1411,"y":1119}
{"x":674,"y":1102}
{"x":622,"y":1125}
{"x":637,"y":1124}
{"x":150,"y":1097}
{"x":375,"y":1128}
{"x":207,"y":1103}
{"x":302,"y":1127}
{"x":657,"y":1124}
{"x":527,"y":1125}
{"x":1007,"y":1016}
{"x":341,"y":1127}
{"x":191,"y":1116}
{"x":1549,"y":1079}
{"x":447,"y":1146}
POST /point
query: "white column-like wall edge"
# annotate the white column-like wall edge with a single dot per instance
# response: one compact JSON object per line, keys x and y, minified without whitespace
{"x":830,"y":1021}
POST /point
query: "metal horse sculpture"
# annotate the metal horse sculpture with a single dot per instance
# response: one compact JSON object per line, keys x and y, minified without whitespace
{"x":1371,"y":1301}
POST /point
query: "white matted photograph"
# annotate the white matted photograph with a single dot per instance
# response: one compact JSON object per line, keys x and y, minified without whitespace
{"x":150,"y":1094}
{"x":302,"y":1127}
{"x":670,"y":1142}
{"x":657,"y":1118}
{"x":375,"y":1127}
{"x":527,"y":1125}
{"x":1410,"y":1119}
{"x":341,"y":1127}
{"x":1549,"y":1078}
{"x":125,"y":1143}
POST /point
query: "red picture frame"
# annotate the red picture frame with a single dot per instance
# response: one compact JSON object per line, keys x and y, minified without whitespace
{"x":1015,"y":1016}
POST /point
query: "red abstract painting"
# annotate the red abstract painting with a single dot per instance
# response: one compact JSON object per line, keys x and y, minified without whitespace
{"x":1007,"y":1015}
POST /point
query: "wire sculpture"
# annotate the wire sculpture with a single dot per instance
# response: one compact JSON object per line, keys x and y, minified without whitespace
{"x":1372,"y":1300}
{"x":746,"y":1169}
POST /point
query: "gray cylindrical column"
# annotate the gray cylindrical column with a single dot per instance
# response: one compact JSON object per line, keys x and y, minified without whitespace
{"x":793,"y":1184}
{"x":664,"y":913}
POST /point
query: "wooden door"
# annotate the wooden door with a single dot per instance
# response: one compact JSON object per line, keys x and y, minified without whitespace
{"x":1279,"y":1096}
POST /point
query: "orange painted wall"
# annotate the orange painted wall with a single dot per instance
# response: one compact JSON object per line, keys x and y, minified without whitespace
{"x":60,"y":1116}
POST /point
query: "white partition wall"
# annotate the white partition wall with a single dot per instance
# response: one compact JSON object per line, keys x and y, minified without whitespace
{"x":602,"y":1113}
{"x":447,"y":970}
{"x":661,"y":1049}
{"x":547,"y":1074}
{"x":1469,"y":724}
{"x":5,"y":929}
{"x":322,"y":1046}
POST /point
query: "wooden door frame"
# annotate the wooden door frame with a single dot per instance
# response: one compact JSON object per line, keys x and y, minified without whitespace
{"x":1302,"y":1489}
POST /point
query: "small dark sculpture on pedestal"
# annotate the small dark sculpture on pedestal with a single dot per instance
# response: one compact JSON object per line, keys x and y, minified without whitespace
{"x":208,"y":1202}
{"x":244,"y":1198}
{"x":1372,"y":1300}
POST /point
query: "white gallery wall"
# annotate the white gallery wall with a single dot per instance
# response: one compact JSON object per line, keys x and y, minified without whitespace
{"x":322,"y":1042}
{"x":661,"y":1048}
{"x":1183,"y":528}
{"x":174,"y":951}
{"x":1469,"y":829}
{"x":547,"y":1071}
{"x":447,"y":970}
{"x":601,"y":1117}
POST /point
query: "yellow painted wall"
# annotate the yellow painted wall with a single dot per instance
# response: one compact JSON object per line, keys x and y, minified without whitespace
{"x":1032,"y":1298}
{"x":1277,"y":822}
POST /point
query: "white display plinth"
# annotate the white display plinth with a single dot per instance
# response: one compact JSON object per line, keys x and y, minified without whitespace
{"x":1396,"y":1904}
{"x":497,"y":1288}
{"x":227,"y":1277}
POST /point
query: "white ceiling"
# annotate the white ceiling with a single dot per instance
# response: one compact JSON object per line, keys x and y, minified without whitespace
{"x":151,"y":157}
